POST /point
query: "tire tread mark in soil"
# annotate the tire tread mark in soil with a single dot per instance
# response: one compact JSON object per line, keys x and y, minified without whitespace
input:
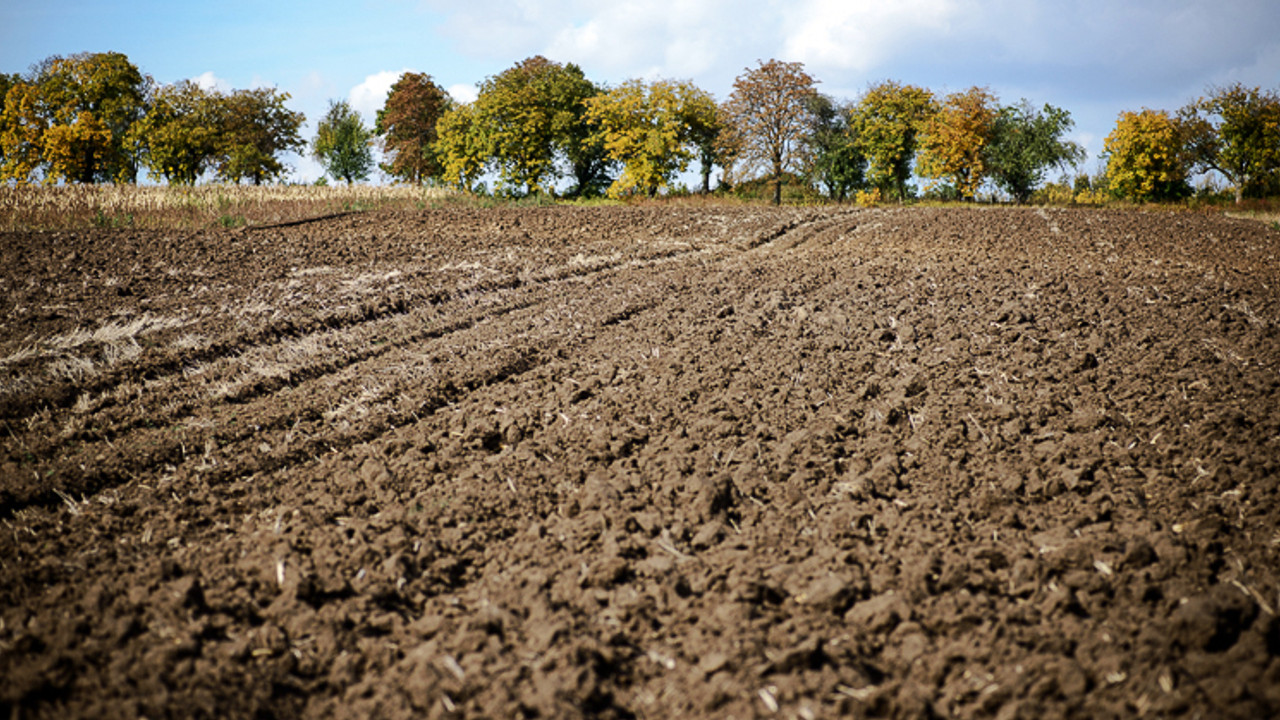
{"x":267,"y":385}
{"x":59,"y":396}
{"x":169,"y":451}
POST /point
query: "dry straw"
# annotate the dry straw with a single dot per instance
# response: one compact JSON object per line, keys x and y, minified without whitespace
{"x":36,"y":207}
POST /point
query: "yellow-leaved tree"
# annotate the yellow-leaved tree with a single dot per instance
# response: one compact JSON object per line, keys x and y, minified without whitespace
{"x":71,"y":119}
{"x":651,"y":129}
{"x":1146,"y":157}
{"x":460,"y":147}
{"x":887,"y":123}
{"x":954,"y":141}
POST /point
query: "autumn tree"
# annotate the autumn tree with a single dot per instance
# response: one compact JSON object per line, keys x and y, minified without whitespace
{"x":7,"y":81}
{"x":22,"y":128}
{"x":887,"y":122}
{"x":834,"y":161}
{"x":179,"y":136}
{"x":462,"y":150}
{"x":70,"y":118}
{"x":407,"y":125}
{"x":765,"y":121}
{"x":1025,"y":142}
{"x":954,"y":140}
{"x":1235,"y":130}
{"x":1146,"y":157}
{"x":255,"y":128}
{"x":651,"y":128}
{"x":529,"y":116}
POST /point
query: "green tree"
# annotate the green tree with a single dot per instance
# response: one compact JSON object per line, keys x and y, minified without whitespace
{"x":765,"y":121}
{"x":462,"y":150}
{"x":704,"y":121}
{"x":343,"y":144}
{"x":887,"y":122}
{"x":650,"y":129}
{"x":532,"y":114}
{"x":954,"y":140}
{"x":255,"y":128}
{"x":1235,"y":130}
{"x":835,"y":162}
{"x":178,"y":137}
{"x":70,"y":118}
{"x":1025,"y":142}
{"x":1146,"y":157}
{"x":407,"y":124}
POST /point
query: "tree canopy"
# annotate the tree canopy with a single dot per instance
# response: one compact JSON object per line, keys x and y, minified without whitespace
{"x":834,"y":161}
{"x":765,"y":121}
{"x":461,"y":148}
{"x":1024,"y":143}
{"x":179,"y":136}
{"x":408,"y":123}
{"x":529,"y":114}
{"x":652,"y":129}
{"x":954,"y":140}
{"x":256,"y":128}
{"x":887,"y":122}
{"x":343,"y":144}
{"x":1146,"y":159}
{"x":1235,"y":130}
{"x":70,"y":120}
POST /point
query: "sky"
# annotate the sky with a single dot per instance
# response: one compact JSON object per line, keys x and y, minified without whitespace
{"x":1095,"y":58}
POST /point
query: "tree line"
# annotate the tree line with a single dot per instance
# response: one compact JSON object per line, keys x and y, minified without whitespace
{"x":95,"y":117}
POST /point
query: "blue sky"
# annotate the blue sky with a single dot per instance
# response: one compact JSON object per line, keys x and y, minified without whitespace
{"x":1093,"y":57}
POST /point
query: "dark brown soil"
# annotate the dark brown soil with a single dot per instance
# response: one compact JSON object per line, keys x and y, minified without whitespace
{"x":644,"y":463}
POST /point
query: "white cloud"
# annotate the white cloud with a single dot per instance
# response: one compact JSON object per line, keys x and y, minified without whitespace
{"x":463,"y":93}
{"x":369,"y":96}
{"x":861,"y":34}
{"x":208,"y":81}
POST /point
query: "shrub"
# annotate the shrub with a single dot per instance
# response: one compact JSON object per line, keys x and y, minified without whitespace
{"x":868,"y":198}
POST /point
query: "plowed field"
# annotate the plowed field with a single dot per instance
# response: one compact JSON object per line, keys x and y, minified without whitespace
{"x":644,"y":463}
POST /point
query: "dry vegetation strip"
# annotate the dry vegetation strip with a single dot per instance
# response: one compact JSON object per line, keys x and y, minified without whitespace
{"x":32,"y":207}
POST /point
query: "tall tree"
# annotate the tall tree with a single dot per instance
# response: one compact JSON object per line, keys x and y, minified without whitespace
{"x":650,"y":129}
{"x":1235,"y":130}
{"x":343,"y":144}
{"x":835,"y":162}
{"x":531,"y":114}
{"x":407,"y":124}
{"x":765,"y":120}
{"x":953,"y":143}
{"x":1146,"y":157}
{"x":71,"y":118}
{"x":22,"y":128}
{"x":7,"y":81}
{"x":887,"y":122}
{"x":1025,"y":142}
{"x":461,"y":148}
{"x":704,"y":119}
{"x":178,"y":137}
{"x":255,"y":128}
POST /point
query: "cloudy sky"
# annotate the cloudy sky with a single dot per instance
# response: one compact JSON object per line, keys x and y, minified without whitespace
{"x":1092,"y":57}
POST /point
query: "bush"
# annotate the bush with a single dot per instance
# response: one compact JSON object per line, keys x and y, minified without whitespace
{"x":868,"y":198}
